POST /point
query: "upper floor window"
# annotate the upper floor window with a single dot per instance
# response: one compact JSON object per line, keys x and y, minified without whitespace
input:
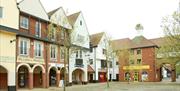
{"x":80,"y":53}
{"x":1,"y":12}
{"x":53,"y":31}
{"x":103,"y":64}
{"x":138,"y":61}
{"x":24,"y":22}
{"x":91,"y":49}
{"x":62,"y":53}
{"x":62,"y":33}
{"x":138,"y":51}
{"x":117,"y":63}
{"x":38,"y":29}
{"x":90,"y":61}
{"x":38,"y":49}
{"x":104,"y":51}
{"x":131,"y":62}
{"x":53,"y":52}
{"x":81,"y":23}
{"x":23,"y":47}
{"x":131,"y":52}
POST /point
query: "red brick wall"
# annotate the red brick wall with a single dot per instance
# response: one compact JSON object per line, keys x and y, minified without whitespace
{"x":148,"y":58}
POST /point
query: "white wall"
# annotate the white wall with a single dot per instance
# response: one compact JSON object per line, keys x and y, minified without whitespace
{"x":80,"y":30}
{"x":10,"y":14}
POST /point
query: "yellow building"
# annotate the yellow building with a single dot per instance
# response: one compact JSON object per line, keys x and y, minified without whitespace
{"x":9,"y":18}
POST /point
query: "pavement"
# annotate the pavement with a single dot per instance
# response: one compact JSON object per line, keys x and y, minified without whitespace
{"x":117,"y":86}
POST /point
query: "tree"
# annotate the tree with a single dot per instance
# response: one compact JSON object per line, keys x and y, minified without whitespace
{"x":171,"y":28}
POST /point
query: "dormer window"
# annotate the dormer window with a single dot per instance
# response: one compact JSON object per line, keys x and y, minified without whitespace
{"x":81,"y":23}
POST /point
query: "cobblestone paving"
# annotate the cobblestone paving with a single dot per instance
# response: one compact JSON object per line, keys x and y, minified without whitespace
{"x":118,"y":86}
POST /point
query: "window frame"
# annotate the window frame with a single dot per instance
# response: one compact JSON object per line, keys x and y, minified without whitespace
{"x":138,"y":52}
{"x":38,"y":29}
{"x":38,"y":49}
{"x":23,"y":47}
{"x":53,"y":52}
{"x":24,"y":22}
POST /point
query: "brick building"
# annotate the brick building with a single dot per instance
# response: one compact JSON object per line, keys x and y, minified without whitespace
{"x":137,"y":59}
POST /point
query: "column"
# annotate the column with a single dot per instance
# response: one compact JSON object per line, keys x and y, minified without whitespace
{"x":57,"y":78}
{"x":30,"y":80}
{"x":44,"y":80}
{"x":173,"y":73}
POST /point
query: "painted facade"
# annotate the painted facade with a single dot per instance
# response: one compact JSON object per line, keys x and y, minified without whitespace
{"x":79,"y":49}
{"x":9,"y":26}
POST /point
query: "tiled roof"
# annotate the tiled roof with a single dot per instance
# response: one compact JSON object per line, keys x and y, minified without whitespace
{"x":90,"y":69}
{"x":137,"y":42}
{"x":141,"y":41}
{"x":96,"y":38}
{"x":53,"y":11}
{"x":121,"y":44}
{"x":73,"y":17}
{"x":158,"y":41}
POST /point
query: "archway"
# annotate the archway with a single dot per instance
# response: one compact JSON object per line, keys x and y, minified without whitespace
{"x":78,"y":76}
{"x":23,"y":77}
{"x":178,"y":71}
{"x":52,"y":76}
{"x":37,"y":77}
{"x":166,"y":72}
{"x":3,"y":78}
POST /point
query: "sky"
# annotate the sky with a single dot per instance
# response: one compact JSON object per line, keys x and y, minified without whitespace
{"x":118,"y":17}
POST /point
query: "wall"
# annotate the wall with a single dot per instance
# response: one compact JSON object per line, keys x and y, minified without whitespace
{"x":10,"y":14}
{"x":7,"y":55}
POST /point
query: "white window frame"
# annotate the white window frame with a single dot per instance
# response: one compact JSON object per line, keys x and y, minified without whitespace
{"x":38,"y":29}
{"x":53,"y":33}
{"x":62,"y":54}
{"x":1,"y":12}
{"x":38,"y":49}
{"x":24,"y":49}
{"x":23,"y":22}
{"x":53,"y":51}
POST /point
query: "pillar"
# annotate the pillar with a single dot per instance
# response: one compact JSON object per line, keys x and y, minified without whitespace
{"x":47,"y":80}
{"x":44,"y":80}
{"x":173,"y":73}
{"x":30,"y":80}
{"x":57,"y":78}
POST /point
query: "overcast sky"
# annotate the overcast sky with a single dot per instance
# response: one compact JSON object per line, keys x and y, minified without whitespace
{"x":119,"y":17}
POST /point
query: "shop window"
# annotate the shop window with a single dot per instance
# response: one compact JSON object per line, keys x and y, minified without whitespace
{"x":144,"y":76}
{"x":127,"y":76}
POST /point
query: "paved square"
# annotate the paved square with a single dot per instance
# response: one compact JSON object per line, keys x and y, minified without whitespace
{"x":118,"y":86}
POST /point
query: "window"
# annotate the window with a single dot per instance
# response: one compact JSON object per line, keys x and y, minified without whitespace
{"x":138,"y":61}
{"x":53,"y":31}
{"x":53,"y":52}
{"x":80,"y":53}
{"x":104,"y":51}
{"x":117,"y":63}
{"x":81,"y":23}
{"x":79,"y":63}
{"x":24,"y":22}
{"x":91,"y":61}
{"x":127,"y":76}
{"x":38,"y":29}
{"x":62,"y":52}
{"x":62,"y":35}
{"x":1,"y":12}
{"x":110,"y":64}
{"x":144,"y":76}
{"x":38,"y":49}
{"x":91,"y":49}
{"x":23,"y":47}
{"x":103,"y":63}
{"x":77,"y":54}
{"x":131,"y":61}
{"x":131,"y":52}
{"x":139,"y":51}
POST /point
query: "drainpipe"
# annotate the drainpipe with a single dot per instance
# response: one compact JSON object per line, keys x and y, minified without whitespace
{"x":95,"y":62}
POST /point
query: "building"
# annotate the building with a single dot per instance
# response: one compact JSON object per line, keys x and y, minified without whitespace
{"x":78,"y":52}
{"x":9,"y":26}
{"x":31,"y":45}
{"x":137,"y":59}
{"x":60,"y":33}
{"x":99,"y":47}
